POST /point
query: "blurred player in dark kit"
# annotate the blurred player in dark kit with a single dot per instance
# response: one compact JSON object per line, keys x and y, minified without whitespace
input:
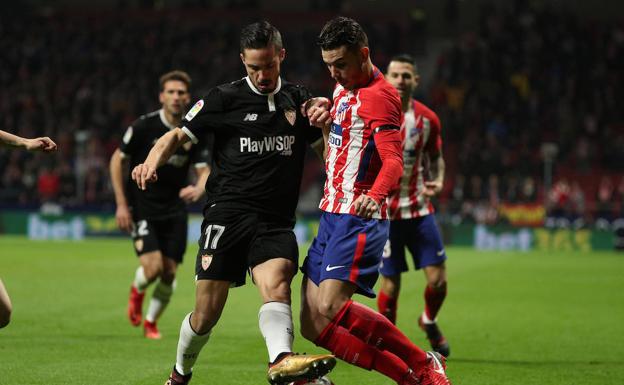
{"x":157,"y":218}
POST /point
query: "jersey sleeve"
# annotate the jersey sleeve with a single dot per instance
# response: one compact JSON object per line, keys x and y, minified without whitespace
{"x":204,"y":116}
{"x":130,"y":141}
{"x":382,"y":108}
{"x":434,"y":144}
{"x":202,"y":153}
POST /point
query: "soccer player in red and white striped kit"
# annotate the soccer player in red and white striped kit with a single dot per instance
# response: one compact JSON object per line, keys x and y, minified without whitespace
{"x":363,"y":163}
{"x":412,"y":222}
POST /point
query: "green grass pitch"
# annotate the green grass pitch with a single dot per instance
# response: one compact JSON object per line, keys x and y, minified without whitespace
{"x":511,"y":318}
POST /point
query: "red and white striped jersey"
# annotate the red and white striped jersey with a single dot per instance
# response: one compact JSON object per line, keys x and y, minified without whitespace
{"x":421,"y":132}
{"x":352,"y":162}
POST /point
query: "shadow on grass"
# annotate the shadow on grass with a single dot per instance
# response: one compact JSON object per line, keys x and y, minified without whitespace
{"x":533,"y":363}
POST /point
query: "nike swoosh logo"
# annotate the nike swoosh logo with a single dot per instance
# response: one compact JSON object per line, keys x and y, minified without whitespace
{"x":330,"y":268}
{"x":440,"y":253}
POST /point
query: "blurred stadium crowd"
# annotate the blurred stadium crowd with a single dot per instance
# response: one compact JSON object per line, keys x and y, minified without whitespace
{"x":521,"y":79}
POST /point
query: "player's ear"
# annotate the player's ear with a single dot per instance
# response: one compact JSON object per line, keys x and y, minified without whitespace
{"x":242,"y":56}
{"x":416,"y":80}
{"x":282,"y":54}
{"x":364,"y":54}
{"x":161,"y":97}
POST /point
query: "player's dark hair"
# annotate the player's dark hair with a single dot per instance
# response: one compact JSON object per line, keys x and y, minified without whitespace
{"x":404,"y":58}
{"x":342,"y":31}
{"x":175,"y":75}
{"x":260,"y":35}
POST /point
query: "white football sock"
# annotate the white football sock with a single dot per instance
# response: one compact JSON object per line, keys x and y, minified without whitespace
{"x":276,"y":325}
{"x":160,"y":299}
{"x":189,"y":346}
{"x":140,"y":282}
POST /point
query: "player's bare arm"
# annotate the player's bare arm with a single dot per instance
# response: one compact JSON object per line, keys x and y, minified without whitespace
{"x":164,"y":147}
{"x":436,"y":169}
{"x":193,"y":193}
{"x":318,"y":112}
{"x":37,"y":144}
{"x":118,"y":163}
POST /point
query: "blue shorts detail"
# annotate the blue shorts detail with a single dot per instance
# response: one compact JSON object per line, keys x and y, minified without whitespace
{"x":347,"y":248}
{"x":422,"y":239}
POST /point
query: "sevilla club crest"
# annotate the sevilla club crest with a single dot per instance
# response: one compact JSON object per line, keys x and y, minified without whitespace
{"x":138,"y":245}
{"x":291,"y":116}
{"x":206,"y":260}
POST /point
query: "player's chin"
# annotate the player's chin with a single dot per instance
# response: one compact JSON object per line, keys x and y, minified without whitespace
{"x":265,"y":88}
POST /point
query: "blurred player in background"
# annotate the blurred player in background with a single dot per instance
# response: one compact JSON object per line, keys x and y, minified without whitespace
{"x":412,"y":223}
{"x":37,"y":144}
{"x":261,"y":126}
{"x":157,"y":218}
{"x":363,"y":163}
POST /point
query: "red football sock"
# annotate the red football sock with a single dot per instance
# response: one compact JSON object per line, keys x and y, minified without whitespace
{"x":375,"y":329}
{"x":354,"y":351}
{"x":433,"y":300}
{"x":387,"y":306}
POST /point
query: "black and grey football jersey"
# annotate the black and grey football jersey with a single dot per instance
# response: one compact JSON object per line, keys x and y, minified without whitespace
{"x":161,"y":199}
{"x":259,"y":144}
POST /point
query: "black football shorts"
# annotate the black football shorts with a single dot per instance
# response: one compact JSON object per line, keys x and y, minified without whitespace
{"x":167,"y":235}
{"x":234,"y":240}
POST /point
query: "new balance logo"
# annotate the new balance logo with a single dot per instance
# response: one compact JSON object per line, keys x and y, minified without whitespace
{"x":250,"y":118}
{"x":330,"y":268}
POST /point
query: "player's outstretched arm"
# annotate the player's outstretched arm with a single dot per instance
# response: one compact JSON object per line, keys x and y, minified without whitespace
{"x":37,"y":144}
{"x":122,"y":213}
{"x":164,"y":147}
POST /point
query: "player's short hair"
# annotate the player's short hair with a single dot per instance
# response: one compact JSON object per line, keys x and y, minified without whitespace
{"x":260,"y":35}
{"x":178,"y":75}
{"x":342,"y":31}
{"x":404,"y":58}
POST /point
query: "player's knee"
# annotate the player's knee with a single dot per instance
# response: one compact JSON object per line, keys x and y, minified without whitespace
{"x":329,"y":309}
{"x":437,"y":283}
{"x":153,"y":271}
{"x":275,"y":291}
{"x":202,"y":322}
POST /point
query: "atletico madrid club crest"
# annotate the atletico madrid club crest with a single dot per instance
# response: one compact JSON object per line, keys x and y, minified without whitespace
{"x":291,"y":116}
{"x":206,"y":260}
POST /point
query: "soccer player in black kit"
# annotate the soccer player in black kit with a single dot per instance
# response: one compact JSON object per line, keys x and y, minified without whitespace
{"x":261,"y":127}
{"x":157,"y":218}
